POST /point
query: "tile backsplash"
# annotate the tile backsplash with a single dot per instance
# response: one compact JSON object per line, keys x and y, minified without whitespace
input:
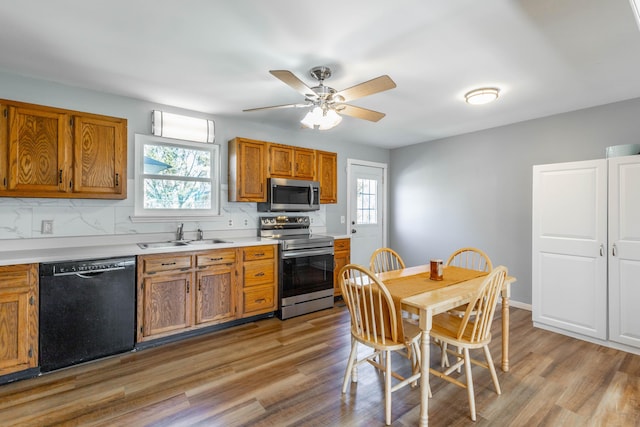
{"x":22,"y":218}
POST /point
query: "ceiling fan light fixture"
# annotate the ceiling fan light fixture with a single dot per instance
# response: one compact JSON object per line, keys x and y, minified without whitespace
{"x":482,"y":96}
{"x":321,"y":119}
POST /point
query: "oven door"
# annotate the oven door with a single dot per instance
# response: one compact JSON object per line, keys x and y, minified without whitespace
{"x":305,"y":272}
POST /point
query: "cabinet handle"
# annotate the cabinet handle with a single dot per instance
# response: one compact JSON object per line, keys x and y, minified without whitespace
{"x":601,"y":250}
{"x":215,"y":259}
{"x":259,"y":274}
{"x":261,"y":300}
{"x":187,"y":286}
{"x":168,"y":263}
{"x":60,"y":177}
{"x":117,"y":180}
{"x":260,"y":254}
{"x":614,"y":250}
{"x":199,"y":285}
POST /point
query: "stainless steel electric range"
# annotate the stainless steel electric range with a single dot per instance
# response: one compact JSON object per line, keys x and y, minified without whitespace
{"x":305,"y":273}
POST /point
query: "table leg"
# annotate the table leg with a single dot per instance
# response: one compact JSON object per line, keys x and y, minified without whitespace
{"x":424,"y":379}
{"x":505,"y":332}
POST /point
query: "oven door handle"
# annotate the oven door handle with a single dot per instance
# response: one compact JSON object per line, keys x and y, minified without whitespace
{"x":307,"y":252}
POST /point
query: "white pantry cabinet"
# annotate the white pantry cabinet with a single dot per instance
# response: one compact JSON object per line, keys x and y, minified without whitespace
{"x":586,"y":249}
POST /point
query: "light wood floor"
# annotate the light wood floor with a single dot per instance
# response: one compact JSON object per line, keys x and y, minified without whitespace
{"x":275,"y":373}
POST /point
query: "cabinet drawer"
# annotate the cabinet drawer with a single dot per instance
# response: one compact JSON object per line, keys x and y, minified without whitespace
{"x":14,"y":277}
{"x":154,"y":265}
{"x":259,"y":299}
{"x":217,"y":257}
{"x":253,"y":253}
{"x":259,"y":273}
{"x":342,"y":245}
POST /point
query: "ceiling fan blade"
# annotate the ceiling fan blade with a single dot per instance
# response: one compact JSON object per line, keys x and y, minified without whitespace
{"x":275,"y":107}
{"x":379,"y":84}
{"x":292,"y":81}
{"x":359,"y":112}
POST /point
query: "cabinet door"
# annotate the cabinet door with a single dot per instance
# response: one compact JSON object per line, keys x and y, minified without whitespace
{"x":280,"y":161}
{"x":258,"y":300}
{"x":250,"y":176}
{"x":305,"y":163}
{"x":624,"y":250}
{"x":4,"y":147}
{"x":327,"y":169}
{"x":18,"y":318}
{"x":39,"y":143}
{"x":100,"y":156}
{"x":341,"y":258}
{"x":167,"y":303}
{"x":569,"y":274}
{"x":215,"y":302}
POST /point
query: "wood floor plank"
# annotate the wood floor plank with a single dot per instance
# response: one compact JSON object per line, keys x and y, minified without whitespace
{"x":289,"y":373}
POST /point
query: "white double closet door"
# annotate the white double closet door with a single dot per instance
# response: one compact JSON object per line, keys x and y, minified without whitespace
{"x":586,"y":248}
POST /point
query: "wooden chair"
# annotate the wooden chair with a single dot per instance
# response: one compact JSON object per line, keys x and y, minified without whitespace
{"x":471,"y":332}
{"x":374,"y":324}
{"x":473,"y":259}
{"x":385,"y":259}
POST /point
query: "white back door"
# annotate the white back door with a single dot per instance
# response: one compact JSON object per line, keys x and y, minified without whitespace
{"x":366,"y":205}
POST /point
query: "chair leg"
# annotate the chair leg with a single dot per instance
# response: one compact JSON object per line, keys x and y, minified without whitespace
{"x":444,"y":361}
{"x":467,"y":371}
{"x":352,"y":366}
{"x":387,"y":387}
{"x":492,"y":368}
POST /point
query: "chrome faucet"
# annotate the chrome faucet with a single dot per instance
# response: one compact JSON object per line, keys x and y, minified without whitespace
{"x":180,"y":232}
{"x":200,"y":234}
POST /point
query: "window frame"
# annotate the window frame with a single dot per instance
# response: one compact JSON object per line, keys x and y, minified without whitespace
{"x":141,"y":213}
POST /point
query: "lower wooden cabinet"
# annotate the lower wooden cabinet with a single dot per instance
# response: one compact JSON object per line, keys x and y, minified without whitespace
{"x":178,"y":292}
{"x":18,"y":318}
{"x":259,"y":280}
{"x":341,"y":257}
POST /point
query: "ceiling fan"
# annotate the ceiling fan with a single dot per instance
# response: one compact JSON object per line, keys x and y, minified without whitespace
{"x":326,"y":102}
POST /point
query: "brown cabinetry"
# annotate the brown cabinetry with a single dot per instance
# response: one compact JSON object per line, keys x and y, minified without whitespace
{"x":341,"y":257}
{"x":326,"y":173}
{"x":164,"y":294}
{"x":50,"y":152}
{"x":247,"y":170}
{"x":217,"y":286}
{"x":291,"y":162}
{"x":18,"y":318}
{"x":259,"y":280}
{"x":251,"y":162}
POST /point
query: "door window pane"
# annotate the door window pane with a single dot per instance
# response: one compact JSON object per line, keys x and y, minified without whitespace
{"x":367,"y":201}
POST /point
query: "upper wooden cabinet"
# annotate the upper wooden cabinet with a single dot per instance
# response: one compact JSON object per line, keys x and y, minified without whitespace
{"x":251,"y":162}
{"x":291,"y":162}
{"x":327,"y":172}
{"x":50,"y":152}
{"x":247,"y":170}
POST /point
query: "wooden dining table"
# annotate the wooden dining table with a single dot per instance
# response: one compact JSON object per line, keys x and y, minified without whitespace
{"x":414,"y":292}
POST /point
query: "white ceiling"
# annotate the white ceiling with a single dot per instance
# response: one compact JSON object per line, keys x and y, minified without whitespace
{"x":213,"y":56}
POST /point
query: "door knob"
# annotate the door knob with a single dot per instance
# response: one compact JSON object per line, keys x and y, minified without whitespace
{"x":353,"y":230}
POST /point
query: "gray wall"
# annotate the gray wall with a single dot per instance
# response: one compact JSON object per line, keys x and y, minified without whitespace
{"x":475,"y":189}
{"x":20,"y":218}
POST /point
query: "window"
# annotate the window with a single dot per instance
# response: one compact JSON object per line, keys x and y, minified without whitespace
{"x":367,"y":201}
{"x":176,"y":178}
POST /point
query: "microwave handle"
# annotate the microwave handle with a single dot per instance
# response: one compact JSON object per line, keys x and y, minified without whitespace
{"x":310,"y":194}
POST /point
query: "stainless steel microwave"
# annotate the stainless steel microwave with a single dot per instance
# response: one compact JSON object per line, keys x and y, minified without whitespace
{"x":291,"y":195}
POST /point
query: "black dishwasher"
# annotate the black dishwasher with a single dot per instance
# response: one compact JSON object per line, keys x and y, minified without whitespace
{"x":87,"y":310}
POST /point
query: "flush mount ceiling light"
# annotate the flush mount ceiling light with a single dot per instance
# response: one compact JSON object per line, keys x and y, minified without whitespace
{"x":175,"y":126}
{"x":482,"y":96}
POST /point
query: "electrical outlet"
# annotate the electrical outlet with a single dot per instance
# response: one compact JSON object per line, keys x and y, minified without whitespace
{"x":230,"y":223}
{"x":342,"y":219}
{"x":246,"y":222}
{"x":46,"y":226}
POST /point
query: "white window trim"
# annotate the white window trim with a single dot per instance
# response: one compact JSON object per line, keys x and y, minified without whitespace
{"x":161,"y":215}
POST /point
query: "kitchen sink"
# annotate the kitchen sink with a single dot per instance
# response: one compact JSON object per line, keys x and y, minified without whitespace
{"x":169,"y":244}
{"x":208,"y":241}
